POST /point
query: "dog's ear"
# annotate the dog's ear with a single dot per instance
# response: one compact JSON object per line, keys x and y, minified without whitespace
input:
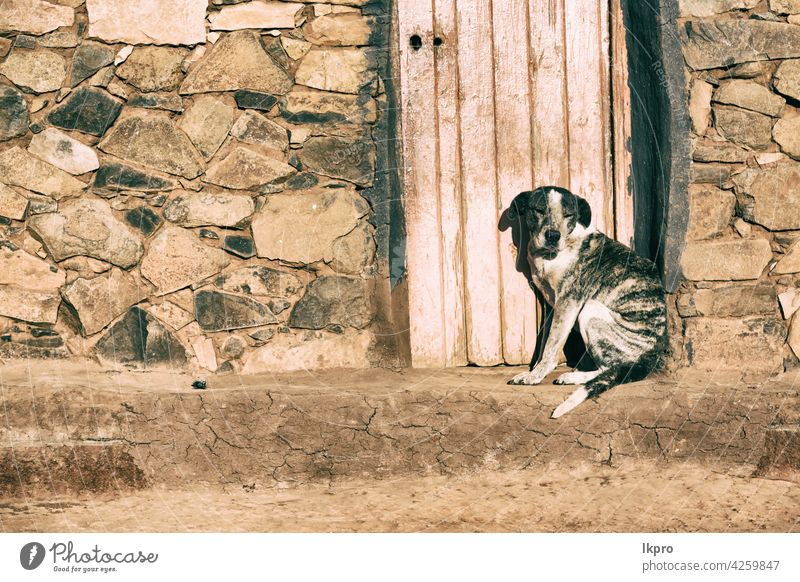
{"x":584,"y":212}
{"x":518,"y":206}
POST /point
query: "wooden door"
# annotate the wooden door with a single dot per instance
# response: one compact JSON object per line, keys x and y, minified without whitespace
{"x":497,"y":98}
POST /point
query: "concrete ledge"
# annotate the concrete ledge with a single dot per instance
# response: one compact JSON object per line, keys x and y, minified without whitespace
{"x":72,"y":428}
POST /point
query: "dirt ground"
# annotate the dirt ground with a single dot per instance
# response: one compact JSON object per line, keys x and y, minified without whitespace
{"x":637,"y":496}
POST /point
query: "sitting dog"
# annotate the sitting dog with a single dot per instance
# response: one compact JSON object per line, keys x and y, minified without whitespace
{"x":615,"y":296}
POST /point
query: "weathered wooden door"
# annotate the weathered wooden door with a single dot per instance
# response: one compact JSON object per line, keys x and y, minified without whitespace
{"x":498,"y":97}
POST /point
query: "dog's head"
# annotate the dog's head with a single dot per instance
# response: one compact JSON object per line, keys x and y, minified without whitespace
{"x":554,"y":217}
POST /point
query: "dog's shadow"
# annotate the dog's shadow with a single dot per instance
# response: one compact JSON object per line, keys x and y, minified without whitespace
{"x":574,"y":350}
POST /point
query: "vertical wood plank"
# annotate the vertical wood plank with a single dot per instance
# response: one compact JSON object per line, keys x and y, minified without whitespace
{"x":548,"y":80}
{"x":424,"y":261}
{"x":586,"y":43}
{"x":621,"y":95}
{"x":513,"y":167}
{"x":479,"y":184}
{"x":449,"y":181}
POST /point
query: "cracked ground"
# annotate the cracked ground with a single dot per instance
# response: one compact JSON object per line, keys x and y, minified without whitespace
{"x":82,"y":449}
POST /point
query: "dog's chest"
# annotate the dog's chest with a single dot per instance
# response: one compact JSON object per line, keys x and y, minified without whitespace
{"x":548,"y":275}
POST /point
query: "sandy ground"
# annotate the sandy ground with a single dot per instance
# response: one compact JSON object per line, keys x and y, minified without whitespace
{"x":638,"y":496}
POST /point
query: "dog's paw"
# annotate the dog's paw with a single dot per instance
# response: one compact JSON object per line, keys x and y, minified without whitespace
{"x":525,"y":378}
{"x":570,"y":403}
{"x":576,"y":377}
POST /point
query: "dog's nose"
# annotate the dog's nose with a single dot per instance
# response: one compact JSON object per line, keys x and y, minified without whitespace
{"x":551,"y":236}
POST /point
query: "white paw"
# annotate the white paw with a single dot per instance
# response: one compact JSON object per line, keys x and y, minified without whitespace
{"x":576,"y":377}
{"x":527,"y":378}
{"x":574,"y":400}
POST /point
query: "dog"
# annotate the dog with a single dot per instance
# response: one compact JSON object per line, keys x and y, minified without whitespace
{"x":613,"y":295}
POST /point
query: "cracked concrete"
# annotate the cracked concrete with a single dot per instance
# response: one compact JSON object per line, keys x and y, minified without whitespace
{"x":73,"y":428}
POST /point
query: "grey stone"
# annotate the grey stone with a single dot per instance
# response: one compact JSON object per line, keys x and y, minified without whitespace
{"x":241,"y":246}
{"x":335,"y":157}
{"x":19,"y":168}
{"x":100,"y":300}
{"x":746,"y":128}
{"x":333,"y":300}
{"x":13,"y":114}
{"x":41,"y":71}
{"x":750,"y":95}
{"x":243,"y":169}
{"x":306,"y":106}
{"x":725,"y":260}
{"x":764,"y":198}
{"x":87,"y":227}
{"x":152,"y":140}
{"x":254,"y":128}
{"x":712,"y":44}
{"x":153,"y":68}
{"x":238,"y":61}
{"x":152,"y":101}
{"x":112,"y":176}
{"x":277,"y":306}
{"x":143,"y":219}
{"x":89,"y":58}
{"x":246,"y":99}
{"x":23,"y":341}
{"x":207,"y":123}
{"x":177,"y":259}
{"x":140,"y":339}
{"x":218,"y":311}
{"x":259,"y":281}
{"x":88,"y":110}
{"x":233,"y":347}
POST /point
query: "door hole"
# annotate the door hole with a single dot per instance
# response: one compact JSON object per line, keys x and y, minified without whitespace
{"x":415,"y":41}
{"x":438,"y":41}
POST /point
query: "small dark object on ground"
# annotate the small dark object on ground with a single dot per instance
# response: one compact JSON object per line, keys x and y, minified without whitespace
{"x":199,"y":384}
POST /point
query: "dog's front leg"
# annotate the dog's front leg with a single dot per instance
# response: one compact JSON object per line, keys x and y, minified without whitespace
{"x":564,"y":317}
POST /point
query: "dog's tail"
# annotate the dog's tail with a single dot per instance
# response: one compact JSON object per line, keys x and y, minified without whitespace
{"x":623,"y":373}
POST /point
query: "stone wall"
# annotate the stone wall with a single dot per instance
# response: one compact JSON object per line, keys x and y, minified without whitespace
{"x":741,"y":264}
{"x":193,"y":181}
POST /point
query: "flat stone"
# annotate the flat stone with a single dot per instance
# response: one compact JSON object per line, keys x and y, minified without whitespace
{"x":207,"y":123}
{"x":234,"y":347}
{"x":321,"y":107}
{"x":218,"y":311}
{"x":89,"y":58}
{"x":787,"y":79}
{"x":237,"y":61}
{"x":789,"y":302}
{"x":345,"y":70}
{"x":349,"y":29}
{"x":100,"y":300}
{"x":256,"y":14}
{"x":19,"y":168}
{"x":176,"y":259}
{"x":112,"y":176}
{"x":153,"y":101}
{"x":302,"y":181}
{"x":719,"y":152}
{"x":750,"y":95}
{"x":786,"y":134}
{"x":13,"y":114}
{"x":713,"y":44}
{"x":243,"y":169}
{"x":710,"y":212}
{"x":38,"y":204}
{"x":746,"y":128}
{"x":735,"y":300}
{"x":790,"y":262}
{"x":88,"y":110}
{"x":152,"y":140}
{"x":784,"y":6}
{"x":254,"y":128}
{"x":295,"y":48}
{"x":40,"y":71}
{"x":711,"y":7}
{"x":241,"y":246}
{"x":246,"y":99}
{"x":262,"y":335}
{"x":206,"y":208}
{"x":355,"y":251}
{"x":153,"y":68}
{"x":336,"y":157}
{"x":29,"y":287}
{"x":175,"y":22}
{"x":754,"y":344}
{"x":13,"y":205}
{"x":101,"y":78}
{"x":143,"y":219}
{"x":725,"y":260}
{"x":333,"y":300}
{"x":57,"y":148}
{"x":34,"y":16}
{"x":289,"y":353}
{"x":203,"y":349}
{"x":172,"y":315}
{"x":87,"y":227}
{"x":140,"y":339}
{"x":768,"y":196}
{"x":59,"y":39}
{"x":259,"y":281}
{"x":301,"y":227}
